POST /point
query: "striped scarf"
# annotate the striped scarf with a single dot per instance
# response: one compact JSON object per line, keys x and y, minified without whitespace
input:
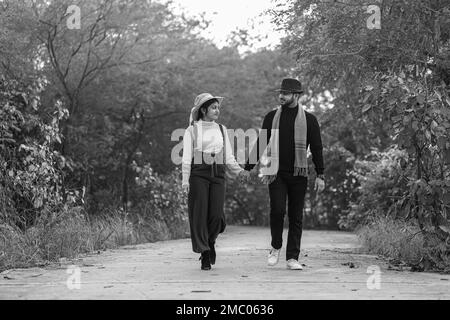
{"x":269,"y":162}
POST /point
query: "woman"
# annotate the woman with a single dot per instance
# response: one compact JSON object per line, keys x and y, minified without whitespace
{"x":207,"y":155}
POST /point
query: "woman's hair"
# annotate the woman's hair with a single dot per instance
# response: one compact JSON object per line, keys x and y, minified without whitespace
{"x":205,"y":107}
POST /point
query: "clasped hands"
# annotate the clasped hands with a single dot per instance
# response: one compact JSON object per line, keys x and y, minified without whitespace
{"x":247,"y":176}
{"x":250,"y":176}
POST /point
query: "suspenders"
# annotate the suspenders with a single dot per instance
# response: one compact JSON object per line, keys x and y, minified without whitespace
{"x":213,"y":155}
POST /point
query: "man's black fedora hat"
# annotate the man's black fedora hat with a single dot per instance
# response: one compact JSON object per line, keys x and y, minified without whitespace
{"x":290,"y":85}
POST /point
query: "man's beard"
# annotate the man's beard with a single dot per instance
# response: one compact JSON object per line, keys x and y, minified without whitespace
{"x":286,"y":102}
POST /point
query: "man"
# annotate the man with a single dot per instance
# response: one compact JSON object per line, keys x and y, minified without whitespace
{"x":290,"y":130}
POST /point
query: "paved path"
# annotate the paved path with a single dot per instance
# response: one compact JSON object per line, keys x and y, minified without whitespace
{"x":169,"y":270}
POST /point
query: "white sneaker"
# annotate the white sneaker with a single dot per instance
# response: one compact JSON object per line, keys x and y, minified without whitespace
{"x":293,"y":264}
{"x":274,"y":255}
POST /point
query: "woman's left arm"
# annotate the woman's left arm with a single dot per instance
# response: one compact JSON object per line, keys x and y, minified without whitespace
{"x":187,"y":156}
{"x":230,"y":160}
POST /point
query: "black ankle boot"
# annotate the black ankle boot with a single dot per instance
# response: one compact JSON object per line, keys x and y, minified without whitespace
{"x":206,"y":262}
{"x":212,"y":253}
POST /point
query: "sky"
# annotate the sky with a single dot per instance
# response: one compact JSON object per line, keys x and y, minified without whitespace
{"x":228,"y":15}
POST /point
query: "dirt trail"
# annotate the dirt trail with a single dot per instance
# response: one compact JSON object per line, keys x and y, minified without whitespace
{"x":169,"y":270}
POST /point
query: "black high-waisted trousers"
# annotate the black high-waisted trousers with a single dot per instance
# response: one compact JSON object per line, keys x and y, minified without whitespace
{"x":206,"y":204}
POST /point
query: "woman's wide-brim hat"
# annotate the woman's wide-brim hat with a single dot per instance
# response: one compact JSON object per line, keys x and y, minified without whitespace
{"x":290,"y":85}
{"x":200,"y":100}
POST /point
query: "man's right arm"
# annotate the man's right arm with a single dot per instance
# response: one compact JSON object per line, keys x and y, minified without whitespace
{"x":255,"y":153}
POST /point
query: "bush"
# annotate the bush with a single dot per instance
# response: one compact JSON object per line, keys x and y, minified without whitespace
{"x":388,"y":208}
{"x":69,"y":233}
{"x":161,"y":208}
{"x":55,"y":235}
{"x":382,"y":184}
{"x":30,"y":169}
{"x":65,"y":234}
{"x":65,"y":231}
{"x":403,"y":241}
{"x":247,"y":204}
{"x":324,"y":210}
{"x":17,"y":250}
{"x":113,"y":229}
{"x":393,"y":238}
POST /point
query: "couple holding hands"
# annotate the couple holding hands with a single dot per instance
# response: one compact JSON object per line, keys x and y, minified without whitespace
{"x":208,"y":158}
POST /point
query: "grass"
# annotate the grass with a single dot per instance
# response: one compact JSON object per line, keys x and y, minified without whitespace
{"x":395,"y":239}
{"x":71,"y":233}
{"x":404,"y":242}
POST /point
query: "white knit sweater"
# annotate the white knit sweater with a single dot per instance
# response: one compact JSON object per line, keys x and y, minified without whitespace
{"x":209,"y":140}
